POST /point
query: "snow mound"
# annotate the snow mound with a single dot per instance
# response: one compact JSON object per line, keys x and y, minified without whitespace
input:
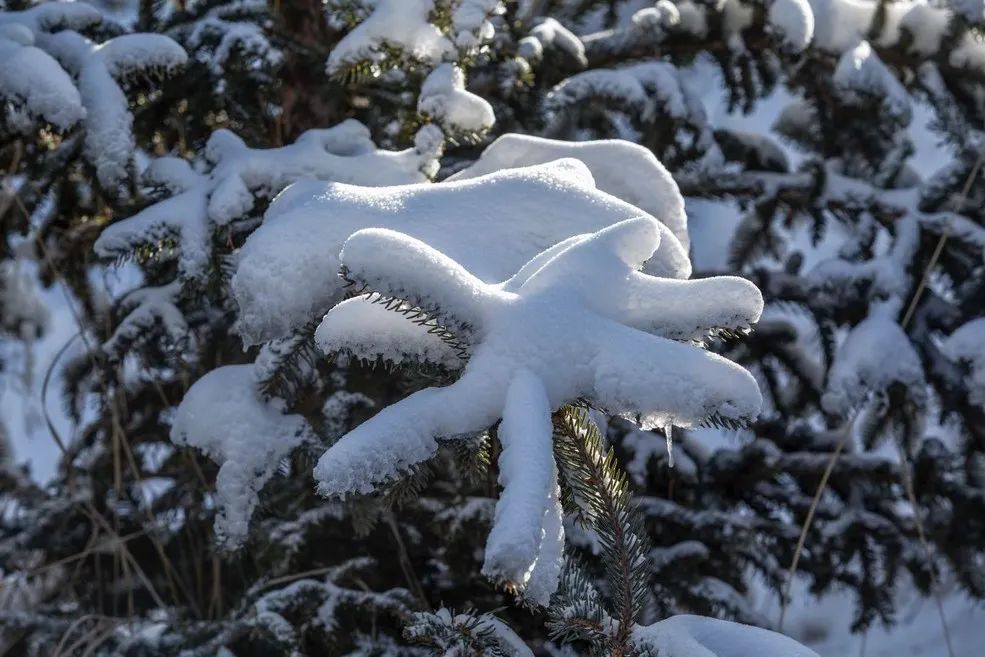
{"x":394,"y":339}
{"x":405,"y":26}
{"x":861,"y":74}
{"x":794,"y":21}
{"x":32,"y":78}
{"x":444,"y":99}
{"x":699,"y":636}
{"x":49,"y":71}
{"x":222,"y":416}
{"x":626,"y":170}
{"x":286,"y":272}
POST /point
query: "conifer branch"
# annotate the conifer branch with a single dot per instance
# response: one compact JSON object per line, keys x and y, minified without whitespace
{"x":601,"y":492}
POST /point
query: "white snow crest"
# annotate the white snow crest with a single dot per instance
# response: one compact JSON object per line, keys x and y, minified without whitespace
{"x":527,"y":525}
{"x":239,"y":175}
{"x":794,"y":21}
{"x":404,"y":25}
{"x":53,"y":16}
{"x":222,"y":415}
{"x":621,"y":168}
{"x":549,"y":33}
{"x":394,"y":338}
{"x":700,"y":636}
{"x":99,"y":68}
{"x":32,"y":78}
{"x":860,"y":73}
{"x":40,"y":53}
{"x":286,"y":271}
{"x":444,"y":99}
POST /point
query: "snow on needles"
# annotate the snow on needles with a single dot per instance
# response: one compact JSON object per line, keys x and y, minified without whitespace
{"x":444,"y":99}
{"x":52,"y":72}
{"x":967,"y":345}
{"x":247,"y":437}
{"x":875,"y":354}
{"x":286,"y":272}
{"x":578,"y":321}
{"x":794,"y":21}
{"x":860,"y":72}
{"x":202,"y":202}
{"x":404,"y":25}
{"x":31,"y":76}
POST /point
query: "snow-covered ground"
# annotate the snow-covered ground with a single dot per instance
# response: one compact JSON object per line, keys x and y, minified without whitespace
{"x":824,"y":624}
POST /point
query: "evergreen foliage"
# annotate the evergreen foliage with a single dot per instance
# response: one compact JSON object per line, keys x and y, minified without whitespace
{"x":178,"y":124}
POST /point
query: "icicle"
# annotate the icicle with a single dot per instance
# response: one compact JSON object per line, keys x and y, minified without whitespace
{"x":669,"y":434}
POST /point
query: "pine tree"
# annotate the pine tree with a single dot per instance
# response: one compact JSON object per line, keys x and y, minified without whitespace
{"x":876,"y":345}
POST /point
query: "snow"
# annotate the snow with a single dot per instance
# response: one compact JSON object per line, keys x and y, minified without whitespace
{"x":40,"y":53}
{"x":699,"y":636}
{"x":285,"y":274}
{"x":29,"y":76}
{"x":507,"y":643}
{"x":560,"y":329}
{"x":24,"y":313}
{"x":549,"y":33}
{"x":875,"y":354}
{"x":470,"y":25}
{"x":623,"y":169}
{"x":840,"y":25}
{"x":860,"y":73}
{"x":564,"y":319}
{"x":234,"y":37}
{"x":967,"y":345}
{"x":824,"y":623}
{"x":657,"y":19}
{"x":394,"y":23}
{"x":444,"y":98}
{"x":927,"y":25}
{"x":394,"y":339}
{"x":644,"y":88}
{"x":970,"y":53}
{"x":109,"y":141}
{"x":526,"y":540}
{"x":693,"y":19}
{"x":736,"y":17}
{"x":222,"y":415}
{"x":239,"y":174}
{"x":794,"y":21}
{"x":403,"y":25}
{"x":148,"y":307}
{"x":53,"y":16}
